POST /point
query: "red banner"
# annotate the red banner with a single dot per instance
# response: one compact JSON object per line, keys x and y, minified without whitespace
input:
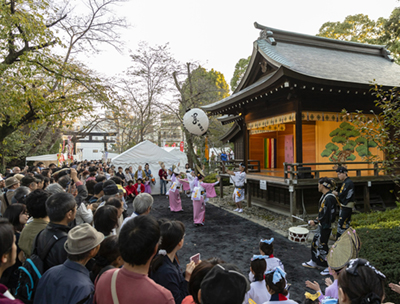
{"x":181,"y":146}
{"x":173,"y":145}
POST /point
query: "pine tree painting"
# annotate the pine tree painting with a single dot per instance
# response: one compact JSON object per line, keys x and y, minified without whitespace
{"x":346,"y":140}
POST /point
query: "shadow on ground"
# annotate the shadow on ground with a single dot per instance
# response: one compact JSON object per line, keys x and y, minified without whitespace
{"x":235,"y":239}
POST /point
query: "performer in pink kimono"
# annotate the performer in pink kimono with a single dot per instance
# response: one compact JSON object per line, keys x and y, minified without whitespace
{"x":175,"y":203}
{"x":200,"y":195}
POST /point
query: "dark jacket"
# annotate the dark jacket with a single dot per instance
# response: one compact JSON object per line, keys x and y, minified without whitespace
{"x":327,"y":210}
{"x":171,"y":277}
{"x":57,"y":254}
{"x":346,"y":194}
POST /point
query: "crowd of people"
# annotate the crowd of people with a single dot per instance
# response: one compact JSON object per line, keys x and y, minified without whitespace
{"x":66,"y":237}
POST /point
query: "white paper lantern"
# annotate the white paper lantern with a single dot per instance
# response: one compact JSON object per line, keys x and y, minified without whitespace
{"x":196,"y":121}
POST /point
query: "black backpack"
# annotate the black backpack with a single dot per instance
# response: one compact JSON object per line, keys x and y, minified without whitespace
{"x":33,"y":268}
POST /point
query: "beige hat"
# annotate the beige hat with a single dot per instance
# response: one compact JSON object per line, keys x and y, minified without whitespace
{"x":82,"y":238}
{"x":11,"y":181}
{"x":19,"y":176}
{"x":345,"y":248}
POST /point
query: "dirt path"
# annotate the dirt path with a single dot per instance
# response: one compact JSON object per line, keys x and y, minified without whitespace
{"x":235,"y":239}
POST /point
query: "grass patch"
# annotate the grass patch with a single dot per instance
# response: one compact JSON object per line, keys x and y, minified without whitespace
{"x":379,"y":232}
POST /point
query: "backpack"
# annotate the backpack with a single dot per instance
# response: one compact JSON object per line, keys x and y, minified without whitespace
{"x":33,"y":268}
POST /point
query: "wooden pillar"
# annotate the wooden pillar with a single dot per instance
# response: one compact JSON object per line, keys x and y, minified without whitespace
{"x":245,"y":146}
{"x":367,"y":206}
{"x":292,"y":194}
{"x":248,"y":188}
{"x":299,"y":132}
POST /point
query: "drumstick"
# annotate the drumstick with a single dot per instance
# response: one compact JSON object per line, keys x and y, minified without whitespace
{"x":299,"y":218}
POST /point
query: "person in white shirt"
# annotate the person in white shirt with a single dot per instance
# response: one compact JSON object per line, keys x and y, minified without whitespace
{"x":258,"y":290}
{"x":239,"y":179}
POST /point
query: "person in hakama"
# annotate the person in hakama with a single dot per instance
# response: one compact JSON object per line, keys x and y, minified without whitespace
{"x":238,"y":178}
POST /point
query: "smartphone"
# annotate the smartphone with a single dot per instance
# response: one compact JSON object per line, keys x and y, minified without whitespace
{"x":195,"y":258}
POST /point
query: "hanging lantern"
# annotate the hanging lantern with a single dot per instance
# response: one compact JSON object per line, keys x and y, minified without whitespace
{"x":196,"y":121}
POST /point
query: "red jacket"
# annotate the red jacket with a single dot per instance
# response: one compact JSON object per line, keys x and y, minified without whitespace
{"x":129,"y":190}
{"x":162,"y":173}
{"x":135,"y":187}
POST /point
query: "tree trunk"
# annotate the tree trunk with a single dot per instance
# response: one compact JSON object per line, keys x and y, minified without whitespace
{"x":192,"y":158}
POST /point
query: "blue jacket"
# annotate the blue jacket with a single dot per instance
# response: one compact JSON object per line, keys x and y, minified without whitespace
{"x":68,"y":283}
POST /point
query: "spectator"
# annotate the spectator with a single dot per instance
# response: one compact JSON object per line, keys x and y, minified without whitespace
{"x":120,"y":174}
{"x":97,"y":193}
{"x":61,"y":209}
{"x":110,"y":173}
{"x":138,"y":187}
{"x":138,"y":243}
{"x":106,"y":219}
{"x":100,"y":178}
{"x":139,"y":173}
{"x":54,"y":188}
{"x":40,"y":181}
{"x":90,"y":189}
{"x":30,"y":182}
{"x":107,"y":258}
{"x":127,"y":175}
{"x":224,"y":157}
{"x":16,"y":170}
{"x":70,"y":283}
{"x":2,"y":185}
{"x":12,"y":183}
{"x":8,"y":254}
{"x":361,"y":283}
{"x":117,"y":203}
{"x":224,"y":283}
{"x":36,"y":206}
{"x":130,"y":193}
{"x":197,"y":277}
{"x":165,"y":269}
{"x":162,"y":173}
{"x":92,"y":176}
{"x":20,"y":195}
{"x":17,"y":216}
{"x":141,"y":206}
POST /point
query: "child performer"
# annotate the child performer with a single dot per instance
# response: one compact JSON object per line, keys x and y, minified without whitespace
{"x":239,"y":179}
{"x":267,"y":251}
{"x":147,"y":187}
{"x":276,"y":283}
{"x":200,"y":195}
{"x":258,"y":290}
{"x":189,"y":178}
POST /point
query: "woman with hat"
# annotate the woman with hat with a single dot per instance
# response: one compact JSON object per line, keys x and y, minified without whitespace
{"x":239,"y":179}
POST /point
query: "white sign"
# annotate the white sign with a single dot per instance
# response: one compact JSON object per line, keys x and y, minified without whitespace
{"x":263,"y":184}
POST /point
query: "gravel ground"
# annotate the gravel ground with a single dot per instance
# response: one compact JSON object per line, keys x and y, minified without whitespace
{"x":234,"y":238}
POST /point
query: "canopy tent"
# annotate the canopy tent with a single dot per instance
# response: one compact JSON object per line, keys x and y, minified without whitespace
{"x":146,"y":152}
{"x":47,"y":159}
{"x":177,"y":153}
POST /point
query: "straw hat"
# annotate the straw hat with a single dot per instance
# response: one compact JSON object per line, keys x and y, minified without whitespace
{"x":198,"y":169}
{"x":345,"y":248}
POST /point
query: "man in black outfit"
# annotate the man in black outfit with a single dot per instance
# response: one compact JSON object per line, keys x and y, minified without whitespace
{"x":346,"y":200}
{"x":326,"y":216}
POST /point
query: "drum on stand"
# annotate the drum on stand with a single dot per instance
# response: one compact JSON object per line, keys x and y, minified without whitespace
{"x":298,"y":234}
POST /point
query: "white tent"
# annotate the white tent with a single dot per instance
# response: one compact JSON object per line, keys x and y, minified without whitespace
{"x":47,"y":159}
{"x":146,"y":152}
{"x":177,"y":153}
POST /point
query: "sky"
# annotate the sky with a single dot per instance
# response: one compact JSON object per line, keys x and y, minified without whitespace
{"x":217,"y":33}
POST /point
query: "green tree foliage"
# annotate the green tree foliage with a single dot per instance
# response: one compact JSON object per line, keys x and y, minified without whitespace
{"x":197,"y":87}
{"x":240,"y":69}
{"x":360,"y":28}
{"x":349,"y":137}
{"x":42,"y":82}
{"x":383,"y":131}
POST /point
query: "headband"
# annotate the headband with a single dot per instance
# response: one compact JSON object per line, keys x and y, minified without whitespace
{"x":269,"y":242}
{"x":355,"y":263}
{"x":279,"y":274}
{"x":259,"y":257}
{"x":242,"y":164}
{"x":311,"y":296}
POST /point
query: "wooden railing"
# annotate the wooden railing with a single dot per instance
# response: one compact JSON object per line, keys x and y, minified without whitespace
{"x":304,"y":170}
{"x":253,"y":165}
